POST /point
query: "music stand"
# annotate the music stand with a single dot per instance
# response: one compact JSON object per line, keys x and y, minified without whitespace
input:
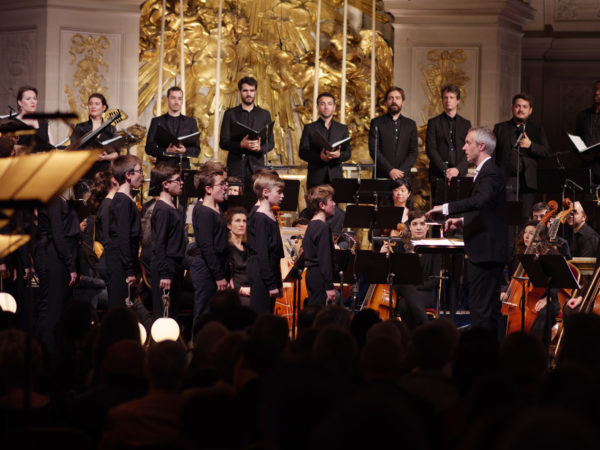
{"x":548,"y":271}
{"x":295,"y":276}
{"x":359,"y":216}
{"x":390,"y":269}
{"x":291,"y":190}
{"x":388,"y":217}
{"x":345,"y":189}
{"x":459,"y":188}
{"x":370,"y":190}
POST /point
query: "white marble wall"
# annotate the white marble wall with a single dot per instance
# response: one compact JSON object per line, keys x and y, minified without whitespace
{"x":37,"y":37}
{"x":490,"y":34}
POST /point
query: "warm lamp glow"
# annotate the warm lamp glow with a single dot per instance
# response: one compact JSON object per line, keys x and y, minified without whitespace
{"x":8,"y":302}
{"x":143,"y":333}
{"x":164,"y":329}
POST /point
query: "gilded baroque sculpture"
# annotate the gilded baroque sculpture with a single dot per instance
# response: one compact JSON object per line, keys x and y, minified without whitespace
{"x":274,"y":42}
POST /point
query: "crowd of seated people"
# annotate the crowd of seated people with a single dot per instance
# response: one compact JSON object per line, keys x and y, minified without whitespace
{"x":344,"y":382}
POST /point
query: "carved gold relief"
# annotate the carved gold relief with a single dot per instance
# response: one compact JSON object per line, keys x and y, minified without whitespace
{"x":273,"y":41}
{"x":443,"y":71}
{"x":89,"y":75}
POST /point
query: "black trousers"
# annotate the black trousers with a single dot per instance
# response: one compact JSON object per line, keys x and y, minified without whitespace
{"x":484,"y":294}
{"x":315,"y":285}
{"x":260,"y":300}
{"x":54,"y":291}
{"x":116,"y":286}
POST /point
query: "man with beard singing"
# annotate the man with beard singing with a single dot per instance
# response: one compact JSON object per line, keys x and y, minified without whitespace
{"x":393,"y":139}
{"x":246,"y":152}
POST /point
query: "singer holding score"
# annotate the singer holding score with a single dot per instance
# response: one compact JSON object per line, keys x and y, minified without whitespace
{"x":519,"y":145}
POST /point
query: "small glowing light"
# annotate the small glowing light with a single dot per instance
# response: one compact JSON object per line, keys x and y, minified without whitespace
{"x":143,"y":333}
{"x":164,"y":329}
{"x":8,"y":302}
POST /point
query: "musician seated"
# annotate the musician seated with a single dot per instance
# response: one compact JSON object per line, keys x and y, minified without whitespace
{"x":525,"y":244}
{"x":414,"y":299}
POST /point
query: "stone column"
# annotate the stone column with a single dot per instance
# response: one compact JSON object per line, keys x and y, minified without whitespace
{"x":69,"y":49}
{"x":474,"y":44}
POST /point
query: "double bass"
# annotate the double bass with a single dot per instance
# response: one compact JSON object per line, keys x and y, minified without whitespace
{"x":518,"y":313}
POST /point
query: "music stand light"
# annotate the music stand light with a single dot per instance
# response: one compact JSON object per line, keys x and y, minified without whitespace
{"x":40,"y":177}
{"x":164,"y":329}
{"x":10,"y":242}
{"x":7,"y":302}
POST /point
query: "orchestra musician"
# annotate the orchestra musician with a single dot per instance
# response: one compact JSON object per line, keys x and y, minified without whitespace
{"x":42,"y":140}
{"x":236,"y":219}
{"x":485,"y":229}
{"x":97,"y":105}
{"x":178,"y":125}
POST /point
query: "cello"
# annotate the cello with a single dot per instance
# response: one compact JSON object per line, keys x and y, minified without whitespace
{"x":378,"y":296}
{"x":514,"y":305}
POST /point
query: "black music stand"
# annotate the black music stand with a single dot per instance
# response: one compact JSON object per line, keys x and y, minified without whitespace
{"x":295,"y":276}
{"x":393,"y":268}
{"x":372,"y":190}
{"x":291,"y":191}
{"x":388,"y":217}
{"x":359,"y":216}
{"x":459,"y":188}
{"x":345,"y":189}
{"x":344,"y":260}
{"x":547,"y":271}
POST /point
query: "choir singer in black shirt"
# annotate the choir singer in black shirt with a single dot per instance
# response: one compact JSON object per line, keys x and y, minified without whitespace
{"x":178,"y":125}
{"x":318,"y":247}
{"x":245,"y":155}
{"x":167,"y":238}
{"x":445,"y":139}
{"x":264,"y":244}
{"x":208,"y":269}
{"x":324,"y":165}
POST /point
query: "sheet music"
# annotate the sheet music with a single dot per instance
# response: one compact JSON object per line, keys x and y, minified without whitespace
{"x":438,"y":243}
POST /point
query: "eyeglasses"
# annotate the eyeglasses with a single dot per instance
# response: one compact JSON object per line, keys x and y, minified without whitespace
{"x":140,"y":171}
{"x":223,"y":183}
{"x":175,"y":180}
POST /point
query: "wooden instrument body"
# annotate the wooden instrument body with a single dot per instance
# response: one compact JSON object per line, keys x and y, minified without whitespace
{"x":512,"y":307}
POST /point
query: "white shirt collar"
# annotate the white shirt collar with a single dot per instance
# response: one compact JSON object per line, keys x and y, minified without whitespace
{"x":479,"y":166}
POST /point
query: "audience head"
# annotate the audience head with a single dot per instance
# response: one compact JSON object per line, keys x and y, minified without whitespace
{"x":165,"y":366}
{"x":332,"y":314}
{"x":15,"y":369}
{"x":434,"y":344}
